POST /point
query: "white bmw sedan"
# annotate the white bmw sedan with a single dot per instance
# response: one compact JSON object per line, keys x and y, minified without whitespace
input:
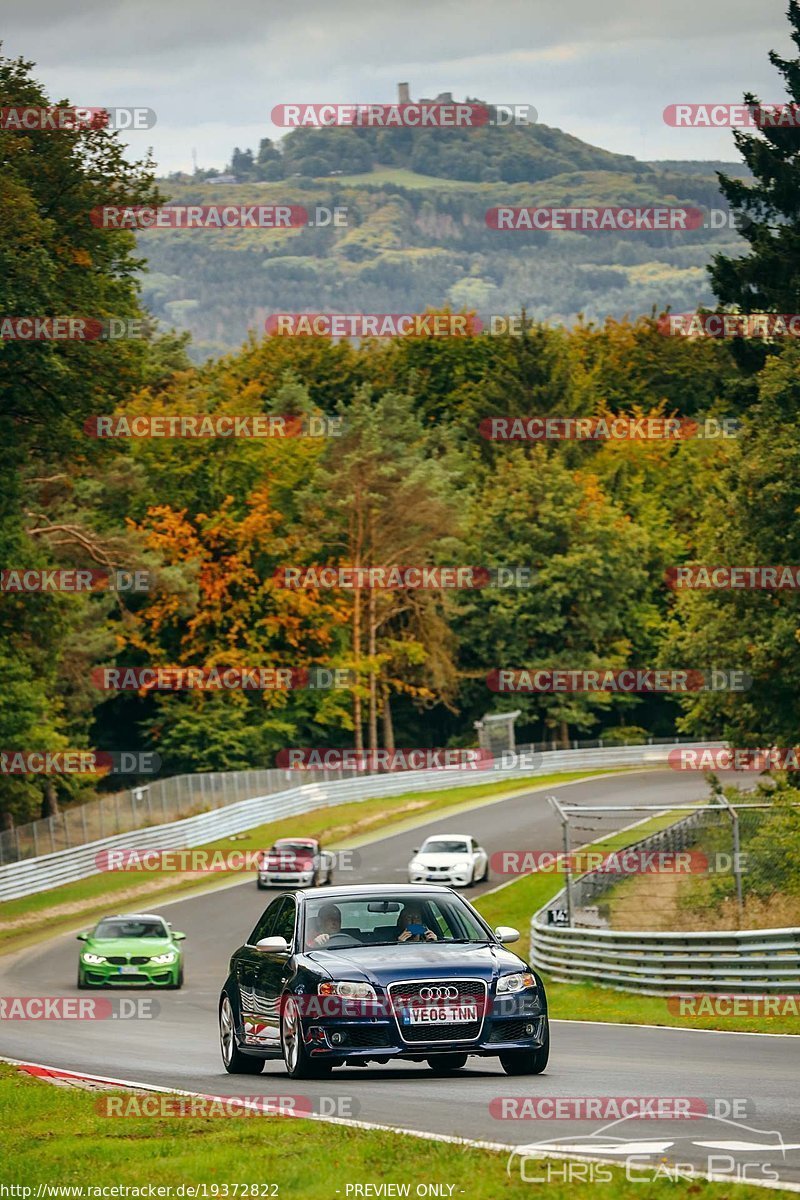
{"x":453,"y":858}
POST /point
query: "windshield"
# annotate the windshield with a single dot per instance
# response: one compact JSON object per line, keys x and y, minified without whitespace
{"x":131,"y":928}
{"x":395,"y":920}
{"x":445,"y":846}
{"x":292,"y":848}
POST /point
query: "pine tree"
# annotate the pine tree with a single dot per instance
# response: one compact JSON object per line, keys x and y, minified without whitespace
{"x":767,"y":209}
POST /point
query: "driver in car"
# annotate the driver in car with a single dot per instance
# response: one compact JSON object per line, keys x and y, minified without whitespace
{"x":329,"y":923}
{"x":412,"y":927}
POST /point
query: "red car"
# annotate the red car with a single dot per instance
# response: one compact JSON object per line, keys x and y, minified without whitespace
{"x":295,"y":862}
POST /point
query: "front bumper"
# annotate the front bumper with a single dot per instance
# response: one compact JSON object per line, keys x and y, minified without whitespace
{"x":383,"y":1043}
{"x":285,"y":878}
{"x":130,"y":974}
{"x":452,"y":878}
{"x":510,"y":1023}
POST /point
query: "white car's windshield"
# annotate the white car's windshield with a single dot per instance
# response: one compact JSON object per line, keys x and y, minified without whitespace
{"x":394,"y":920}
{"x":445,"y":846}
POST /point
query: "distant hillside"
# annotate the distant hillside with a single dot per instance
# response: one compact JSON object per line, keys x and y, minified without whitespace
{"x":416,"y":235}
{"x":706,"y":167}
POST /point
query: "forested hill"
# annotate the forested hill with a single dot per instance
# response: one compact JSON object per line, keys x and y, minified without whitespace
{"x":521,"y":154}
{"x":415,"y":241}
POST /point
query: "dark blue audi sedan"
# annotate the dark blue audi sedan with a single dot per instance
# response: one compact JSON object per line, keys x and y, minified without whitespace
{"x":371,"y":974}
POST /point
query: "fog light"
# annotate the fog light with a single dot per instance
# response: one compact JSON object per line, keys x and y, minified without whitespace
{"x":337,"y":1039}
{"x":529,"y":1029}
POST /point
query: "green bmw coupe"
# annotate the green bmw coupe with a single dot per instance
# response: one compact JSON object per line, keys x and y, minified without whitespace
{"x":133,"y":949}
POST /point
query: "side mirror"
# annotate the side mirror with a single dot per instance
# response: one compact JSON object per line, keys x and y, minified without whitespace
{"x":178,"y":937}
{"x":415,"y":850}
{"x":505,"y":933}
{"x":82,"y":937}
{"x":274,"y":945}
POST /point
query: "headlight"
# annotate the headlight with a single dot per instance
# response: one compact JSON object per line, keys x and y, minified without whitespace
{"x":348,"y":990}
{"x":161,"y":960}
{"x":416,"y":865}
{"x":464,"y":865}
{"x":516,"y":982}
{"x":93,"y":960}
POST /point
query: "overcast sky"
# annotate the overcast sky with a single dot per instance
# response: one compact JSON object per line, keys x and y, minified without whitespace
{"x":213,"y":70}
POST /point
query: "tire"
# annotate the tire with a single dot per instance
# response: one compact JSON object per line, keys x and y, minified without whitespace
{"x":329,"y":880}
{"x":471,"y":883}
{"x":443,"y":1064}
{"x":261,"y":886}
{"x":295,"y":1056}
{"x":527,"y":1062}
{"x":234,"y":1062}
{"x":82,"y":985}
{"x":485,"y":876}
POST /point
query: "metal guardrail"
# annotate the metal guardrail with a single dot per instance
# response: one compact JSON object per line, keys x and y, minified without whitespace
{"x":177,"y":796}
{"x":744,"y":961}
{"x":31,"y":875}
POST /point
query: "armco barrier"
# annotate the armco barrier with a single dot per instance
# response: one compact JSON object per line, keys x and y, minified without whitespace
{"x":743,"y":962}
{"x":66,"y":866}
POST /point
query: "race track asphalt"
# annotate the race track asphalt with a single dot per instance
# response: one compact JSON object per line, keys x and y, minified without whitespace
{"x":179,"y":1048}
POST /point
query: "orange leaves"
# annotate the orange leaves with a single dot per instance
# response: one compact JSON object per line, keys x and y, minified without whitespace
{"x":217,"y":601}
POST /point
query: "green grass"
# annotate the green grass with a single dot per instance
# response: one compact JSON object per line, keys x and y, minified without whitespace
{"x":515,"y":905}
{"x":57,"y":1136}
{"x":342,"y":826}
{"x":403,"y":177}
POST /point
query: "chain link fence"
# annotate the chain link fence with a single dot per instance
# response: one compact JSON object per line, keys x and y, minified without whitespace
{"x":166,"y":800}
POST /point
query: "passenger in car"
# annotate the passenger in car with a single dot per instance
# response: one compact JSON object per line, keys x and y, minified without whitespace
{"x":411,"y":927}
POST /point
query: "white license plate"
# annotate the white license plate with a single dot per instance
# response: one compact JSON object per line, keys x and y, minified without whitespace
{"x":129,"y":971}
{"x":443,"y":1014}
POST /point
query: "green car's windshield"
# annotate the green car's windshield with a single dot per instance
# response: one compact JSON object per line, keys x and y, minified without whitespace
{"x":133,"y":928}
{"x":395,"y":920}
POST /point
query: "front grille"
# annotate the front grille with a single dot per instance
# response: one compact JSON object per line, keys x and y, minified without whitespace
{"x":123,"y":960}
{"x":139,"y":959}
{"x":118,"y":961}
{"x":402,"y":994}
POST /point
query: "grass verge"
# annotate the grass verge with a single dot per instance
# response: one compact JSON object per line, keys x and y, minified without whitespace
{"x":342,"y":826}
{"x":515,"y":903}
{"x":56,"y":1136}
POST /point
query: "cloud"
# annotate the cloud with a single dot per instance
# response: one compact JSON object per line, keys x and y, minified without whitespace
{"x":213,"y":72}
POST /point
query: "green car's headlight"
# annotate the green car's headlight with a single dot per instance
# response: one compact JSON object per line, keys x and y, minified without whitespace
{"x":161,"y":960}
{"x":93,"y":960}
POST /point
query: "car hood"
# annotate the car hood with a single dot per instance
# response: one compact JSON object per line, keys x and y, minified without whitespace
{"x":441,"y":860}
{"x":130,"y":946}
{"x":286,"y":862}
{"x":421,"y":960}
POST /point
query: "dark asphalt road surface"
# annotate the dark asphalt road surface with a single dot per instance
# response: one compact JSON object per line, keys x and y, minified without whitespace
{"x":179,"y":1048}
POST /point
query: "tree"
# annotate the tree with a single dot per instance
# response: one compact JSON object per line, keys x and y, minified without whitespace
{"x":55,"y":262}
{"x":588,"y":605}
{"x":749,"y":519}
{"x":767,"y":279}
{"x":384,"y":501}
{"x":242,"y":163}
